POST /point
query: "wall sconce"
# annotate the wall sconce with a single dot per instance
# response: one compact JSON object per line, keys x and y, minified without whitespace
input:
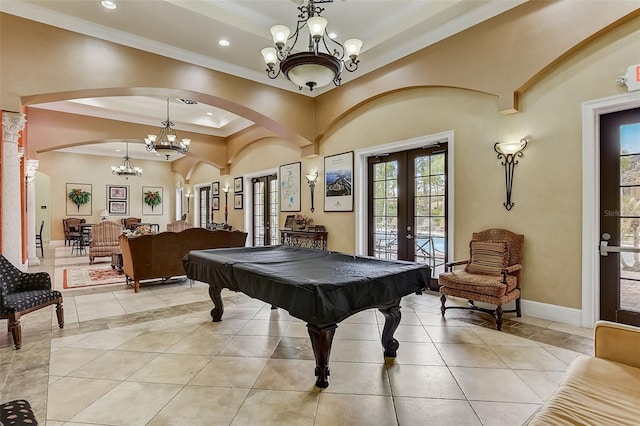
{"x":226,"y":205}
{"x":188,"y":196}
{"x":311,"y":180}
{"x":508,"y":151}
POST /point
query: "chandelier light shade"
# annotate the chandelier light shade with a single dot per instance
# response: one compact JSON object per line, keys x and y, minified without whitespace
{"x":167,"y":142}
{"x":127,"y":168}
{"x":324,"y":58}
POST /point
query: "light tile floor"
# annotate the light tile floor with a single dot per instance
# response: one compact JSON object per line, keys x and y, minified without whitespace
{"x":155,"y":358}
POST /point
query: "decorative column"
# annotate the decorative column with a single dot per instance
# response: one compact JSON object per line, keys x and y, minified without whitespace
{"x":31,"y":167}
{"x":12,"y":124}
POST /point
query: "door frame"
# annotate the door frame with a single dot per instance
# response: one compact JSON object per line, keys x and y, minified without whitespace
{"x":591,"y":111}
{"x":248,"y":206}
{"x":362,"y":175}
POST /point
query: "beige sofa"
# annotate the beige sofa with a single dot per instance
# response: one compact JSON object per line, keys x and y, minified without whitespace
{"x":160,"y":255}
{"x":600,"y":390}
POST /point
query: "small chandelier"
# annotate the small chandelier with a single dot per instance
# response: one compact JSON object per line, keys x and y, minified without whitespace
{"x":167,"y":141}
{"x":324,"y":59}
{"x":126,"y":169}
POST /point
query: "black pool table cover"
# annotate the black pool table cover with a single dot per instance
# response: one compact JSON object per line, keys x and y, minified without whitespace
{"x":316,"y":286}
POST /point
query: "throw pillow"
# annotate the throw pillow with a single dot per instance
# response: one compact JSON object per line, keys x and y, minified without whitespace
{"x":487,"y":258}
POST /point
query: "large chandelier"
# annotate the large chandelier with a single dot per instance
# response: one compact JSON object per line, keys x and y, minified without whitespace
{"x":324,"y":59}
{"x":166,"y":142}
{"x":126,"y":169}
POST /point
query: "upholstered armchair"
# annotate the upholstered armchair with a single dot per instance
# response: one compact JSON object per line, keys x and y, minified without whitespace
{"x":130,"y":222}
{"x":178,"y":225}
{"x":21,"y":293}
{"x":491,"y":275}
{"x":71,"y":227}
{"x":104,"y":240}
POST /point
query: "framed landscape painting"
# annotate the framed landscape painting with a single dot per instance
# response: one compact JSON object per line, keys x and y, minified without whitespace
{"x":338,"y":182}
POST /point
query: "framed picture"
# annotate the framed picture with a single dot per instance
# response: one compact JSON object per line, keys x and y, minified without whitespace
{"x":78,"y":199}
{"x":118,"y":207}
{"x":117,"y":192}
{"x":152,"y":200}
{"x":338,"y":182}
{"x":290,"y":187}
{"x":237,"y":201}
{"x":289,"y":221}
{"x":237,"y":184}
{"x":215,"y":203}
{"x":215,"y":188}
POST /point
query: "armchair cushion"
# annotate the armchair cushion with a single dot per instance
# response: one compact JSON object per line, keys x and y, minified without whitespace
{"x":487,"y":257}
{"x":489,"y":285}
{"x":24,"y":300}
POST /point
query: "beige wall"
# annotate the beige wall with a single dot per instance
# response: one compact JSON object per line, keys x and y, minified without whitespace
{"x":63,"y":168}
{"x":547,"y":188}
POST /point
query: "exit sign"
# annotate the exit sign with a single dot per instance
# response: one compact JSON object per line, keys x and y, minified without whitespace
{"x":632,"y":78}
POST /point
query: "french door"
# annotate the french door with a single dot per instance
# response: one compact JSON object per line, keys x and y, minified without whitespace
{"x":620,"y":216}
{"x":265,"y":210}
{"x":204,"y":210}
{"x":408,"y":207}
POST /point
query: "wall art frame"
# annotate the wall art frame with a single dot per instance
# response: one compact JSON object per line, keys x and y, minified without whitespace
{"x":215,"y":203}
{"x":237,"y":184}
{"x":150,"y":193}
{"x":80,"y":209}
{"x":215,"y":189}
{"x":338,"y":182}
{"x":117,"y":192}
{"x":237,"y":201}
{"x":289,"y":177}
{"x":118,"y":207}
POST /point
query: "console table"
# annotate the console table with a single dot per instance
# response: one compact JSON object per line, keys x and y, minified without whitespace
{"x":306,"y":239}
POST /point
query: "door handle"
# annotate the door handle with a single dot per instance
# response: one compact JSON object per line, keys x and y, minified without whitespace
{"x":409,"y":237}
{"x":605,"y":249}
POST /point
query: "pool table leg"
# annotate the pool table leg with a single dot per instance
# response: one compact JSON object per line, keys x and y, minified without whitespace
{"x":321,"y":340}
{"x":216,"y":298}
{"x":392,"y":317}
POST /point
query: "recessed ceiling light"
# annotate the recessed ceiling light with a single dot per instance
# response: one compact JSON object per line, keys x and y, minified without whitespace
{"x":109,"y":4}
{"x":223,"y":42}
{"x":209,"y":113}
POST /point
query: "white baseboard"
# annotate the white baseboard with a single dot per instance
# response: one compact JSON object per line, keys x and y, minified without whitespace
{"x":549,"y":312}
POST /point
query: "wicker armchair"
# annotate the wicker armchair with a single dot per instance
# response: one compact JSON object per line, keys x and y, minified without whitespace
{"x":492,"y":274}
{"x":104,"y":240}
{"x":21,"y":293}
{"x":130,"y":222}
{"x":71,"y":227}
{"x":178,"y":225}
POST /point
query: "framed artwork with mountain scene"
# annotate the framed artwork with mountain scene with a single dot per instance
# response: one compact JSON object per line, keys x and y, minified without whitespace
{"x":338,"y":182}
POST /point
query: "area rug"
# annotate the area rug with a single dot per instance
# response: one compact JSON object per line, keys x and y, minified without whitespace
{"x":85,"y":277}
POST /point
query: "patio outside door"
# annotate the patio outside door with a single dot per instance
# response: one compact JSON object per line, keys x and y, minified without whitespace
{"x":620,"y":216}
{"x":408,"y":207}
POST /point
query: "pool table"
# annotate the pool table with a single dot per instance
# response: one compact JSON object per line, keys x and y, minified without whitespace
{"x":319,"y":287}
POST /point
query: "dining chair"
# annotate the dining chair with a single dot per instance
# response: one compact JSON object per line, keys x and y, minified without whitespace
{"x":39,"y":244}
